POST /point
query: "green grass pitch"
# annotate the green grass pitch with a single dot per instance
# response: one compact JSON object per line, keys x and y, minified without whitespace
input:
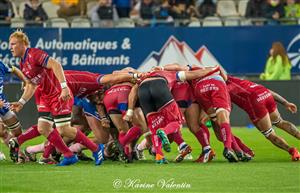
{"x":271,"y":171}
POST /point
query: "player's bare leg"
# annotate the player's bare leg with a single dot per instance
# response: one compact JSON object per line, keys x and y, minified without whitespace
{"x":265,"y":127}
{"x":101,"y":134}
{"x":287,"y":126}
{"x":192,"y":115}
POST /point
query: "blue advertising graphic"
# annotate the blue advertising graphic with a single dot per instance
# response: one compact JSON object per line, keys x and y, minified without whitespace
{"x":240,"y":50}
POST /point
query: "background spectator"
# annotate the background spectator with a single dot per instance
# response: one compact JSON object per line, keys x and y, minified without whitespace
{"x":103,"y":14}
{"x":69,"y":8}
{"x":34,"y":13}
{"x":123,"y":7}
{"x":292,"y":11}
{"x":164,"y":11}
{"x":207,"y":8}
{"x":6,"y":12}
{"x":255,"y":9}
{"x":144,"y":10}
{"x":188,"y":3}
{"x":273,"y":11}
{"x":164,"y":14}
{"x":278,"y":66}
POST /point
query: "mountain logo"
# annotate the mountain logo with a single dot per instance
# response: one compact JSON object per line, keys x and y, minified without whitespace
{"x":174,"y":51}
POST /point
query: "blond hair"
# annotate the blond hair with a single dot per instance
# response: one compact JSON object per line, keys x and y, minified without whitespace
{"x":21,"y":36}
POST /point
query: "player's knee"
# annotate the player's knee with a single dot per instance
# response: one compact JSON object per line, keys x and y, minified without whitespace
{"x":268,"y":133}
{"x":14,"y":126}
{"x":277,"y":122}
{"x":213,"y":116}
{"x":222,"y":115}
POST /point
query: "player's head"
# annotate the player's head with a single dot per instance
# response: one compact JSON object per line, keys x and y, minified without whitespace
{"x":18,"y":42}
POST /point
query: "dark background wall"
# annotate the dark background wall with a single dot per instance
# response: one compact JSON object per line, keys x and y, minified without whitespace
{"x":289,"y":89}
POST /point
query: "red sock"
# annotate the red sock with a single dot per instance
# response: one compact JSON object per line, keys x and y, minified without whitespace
{"x":244,"y":147}
{"x":177,"y":138}
{"x":127,"y":151}
{"x":171,"y":137}
{"x":121,"y":137}
{"x":206,"y":133}
{"x":132,"y":134}
{"x":202,"y":137}
{"x":225,"y":131}
{"x":30,"y":133}
{"x":84,"y":140}
{"x":172,"y":127}
{"x":234,"y":145}
{"x":157,"y":145}
{"x":49,"y":148}
{"x":57,"y":142}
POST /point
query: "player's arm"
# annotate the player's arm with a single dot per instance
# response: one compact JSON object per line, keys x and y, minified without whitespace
{"x":29,"y":91}
{"x":16,"y":71}
{"x":125,"y":70}
{"x":103,"y":119}
{"x":132,"y":98}
{"x":194,"y":74}
{"x":172,"y":67}
{"x":289,"y":106}
{"x":223,"y":73}
{"x":118,"y":78}
{"x":59,"y":74}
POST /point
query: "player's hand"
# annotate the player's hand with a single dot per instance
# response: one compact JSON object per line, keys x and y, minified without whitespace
{"x":291,"y":107}
{"x":142,"y":75}
{"x":105,"y":123}
{"x":65,"y":94}
{"x":128,"y":117}
{"x":16,"y":106}
{"x":157,"y":68}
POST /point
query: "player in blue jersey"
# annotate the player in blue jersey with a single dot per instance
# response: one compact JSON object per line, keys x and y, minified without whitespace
{"x":9,"y":118}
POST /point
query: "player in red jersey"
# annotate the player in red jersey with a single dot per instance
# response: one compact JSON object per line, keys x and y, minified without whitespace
{"x":116,"y":103}
{"x":56,"y":100}
{"x":158,"y":105}
{"x":260,"y":105}
{"x":184,"y":97}
{"x":211,"y":94}
{"x":81,"y":84}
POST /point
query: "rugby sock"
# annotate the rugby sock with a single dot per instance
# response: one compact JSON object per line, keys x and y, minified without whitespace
{"x":75,"y":148}
{"x":202,"y":137}
{"x":225,"y":132}
{"x":244,"y":147}
{"x":127,"y":151}
{"x":172,"y":127}
{"x":30,"y":133}
{"x":36,"y":148}
{"x":55,"y":139}
{"x":206,"y":133}
{"x":84,"y":140}
{"x":49,"y":148}
{"x":177,"y":138}
{"x":157,"y":145}
{"x":132,"y":134}
{"x":235,"y":146}
{"x":121,"y":137}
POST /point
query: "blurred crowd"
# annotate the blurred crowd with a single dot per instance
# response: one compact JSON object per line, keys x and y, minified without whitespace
{"x":272,"y":11}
